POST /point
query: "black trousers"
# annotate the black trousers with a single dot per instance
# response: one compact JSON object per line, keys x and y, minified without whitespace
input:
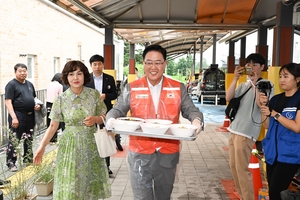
{"x":25,"y":132}
{"x":279,"y":177}
{"x":49,"y":107}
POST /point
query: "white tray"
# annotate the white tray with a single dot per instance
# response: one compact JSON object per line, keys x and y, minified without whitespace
{"x":167,"y":135}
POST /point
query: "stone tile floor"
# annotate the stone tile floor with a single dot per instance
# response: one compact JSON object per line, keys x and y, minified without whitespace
{"x":203,"y":172}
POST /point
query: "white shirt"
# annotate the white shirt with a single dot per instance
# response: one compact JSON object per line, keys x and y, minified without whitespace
{"x":155,"y":93}
{"x":98,"y":82}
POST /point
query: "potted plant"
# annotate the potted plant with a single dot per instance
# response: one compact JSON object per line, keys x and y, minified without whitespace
{"x":21,"y":186}
{"x":44,"y":179}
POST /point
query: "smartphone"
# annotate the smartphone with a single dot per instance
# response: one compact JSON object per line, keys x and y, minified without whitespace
{"x":248,"y":70}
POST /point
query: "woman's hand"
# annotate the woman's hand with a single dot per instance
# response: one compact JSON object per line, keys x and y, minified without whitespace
{"x":38,"y":158}
{"x":265,"y":110}
{"x":263,"y":99}
{"x":90,"y":120}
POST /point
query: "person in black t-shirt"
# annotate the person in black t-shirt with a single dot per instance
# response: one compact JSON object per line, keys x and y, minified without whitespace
{"x":19,"y":101}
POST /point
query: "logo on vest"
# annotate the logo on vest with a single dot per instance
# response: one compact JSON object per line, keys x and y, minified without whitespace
{"x":171,"y":95}
{"x":142,"y":96}
{"x":289,"y":115}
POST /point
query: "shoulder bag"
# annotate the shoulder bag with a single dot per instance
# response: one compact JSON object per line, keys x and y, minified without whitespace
{"x":105,"y":141}
{"x":233,"y":106}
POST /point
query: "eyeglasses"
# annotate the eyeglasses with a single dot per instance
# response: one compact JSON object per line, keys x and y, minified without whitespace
{"x":151,"y":63}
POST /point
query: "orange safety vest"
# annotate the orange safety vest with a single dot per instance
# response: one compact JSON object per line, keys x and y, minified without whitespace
{"x":142,"y":106}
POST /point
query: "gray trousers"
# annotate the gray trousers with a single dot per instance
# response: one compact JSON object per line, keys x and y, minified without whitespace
{"x":152,"y":175}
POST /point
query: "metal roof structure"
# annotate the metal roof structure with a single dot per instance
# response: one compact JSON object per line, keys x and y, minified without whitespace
{"x":177,"y":25}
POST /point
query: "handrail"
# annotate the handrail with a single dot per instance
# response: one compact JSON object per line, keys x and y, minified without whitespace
{"x":41,"y":95}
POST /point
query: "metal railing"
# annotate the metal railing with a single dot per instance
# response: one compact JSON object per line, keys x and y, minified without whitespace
{"x":41,"y":95}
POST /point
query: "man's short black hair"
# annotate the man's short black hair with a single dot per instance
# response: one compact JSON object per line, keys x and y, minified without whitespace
{"x":20,"y":65}
{"x":96,"y":58}
{"x":256,"y":58}
{"x":155,"y":47}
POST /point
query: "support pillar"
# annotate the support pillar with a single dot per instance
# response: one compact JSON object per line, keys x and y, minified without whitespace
{"x":201,"y":57}
{"x":283,"y":35}
{"x":214,"y":49}
{"x":230,"y":65}
{"x":242,"y":60}
{"x":262,"y":47}
{"x":131,"y":75}
{"x":194,"y":61}
{"x":109,"y":50}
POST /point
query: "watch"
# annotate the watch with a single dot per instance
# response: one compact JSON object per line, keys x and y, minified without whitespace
{"x":277,"y":116}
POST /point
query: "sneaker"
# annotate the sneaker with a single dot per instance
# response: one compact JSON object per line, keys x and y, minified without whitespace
{"x":4,"y":183}
{"x":109,"y":171}
{"x":13,"y":168}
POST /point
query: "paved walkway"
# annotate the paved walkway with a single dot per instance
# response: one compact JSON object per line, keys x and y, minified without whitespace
{"x":203,"y":171}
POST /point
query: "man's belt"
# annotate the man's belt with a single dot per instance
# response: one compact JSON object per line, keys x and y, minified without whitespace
{"x":27,"y":113}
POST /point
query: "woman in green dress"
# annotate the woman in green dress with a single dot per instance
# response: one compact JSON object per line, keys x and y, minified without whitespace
{"x":80,"y":172}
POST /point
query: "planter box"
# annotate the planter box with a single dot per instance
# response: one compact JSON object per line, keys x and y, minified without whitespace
{"x":44,"y":189}
{"x":29,"y":197}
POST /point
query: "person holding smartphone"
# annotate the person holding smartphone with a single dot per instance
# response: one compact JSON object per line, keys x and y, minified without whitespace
{"x":244,"y":131}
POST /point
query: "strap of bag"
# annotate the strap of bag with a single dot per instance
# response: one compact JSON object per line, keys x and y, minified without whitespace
{"x":240,"y":97}
{"x":102,"y":120}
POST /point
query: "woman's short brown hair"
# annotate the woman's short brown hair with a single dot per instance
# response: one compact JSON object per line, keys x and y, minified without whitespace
{"x":72,"y":66}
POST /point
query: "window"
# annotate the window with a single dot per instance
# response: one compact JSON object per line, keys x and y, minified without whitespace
{"x":30,"y":68}
{"x":55,"y":65}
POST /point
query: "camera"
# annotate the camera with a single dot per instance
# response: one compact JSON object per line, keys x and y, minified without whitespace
{"x":264,"y":86}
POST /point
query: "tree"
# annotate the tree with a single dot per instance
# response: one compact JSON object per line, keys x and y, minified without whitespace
{"x":184,"y":65}
{"x":171,"y":68}
{"x":138,"y":54}
{"x":126,"y":53}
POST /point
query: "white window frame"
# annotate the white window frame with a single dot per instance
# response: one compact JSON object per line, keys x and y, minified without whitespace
{"x":55,"y":65}
{"x":30,"y":68}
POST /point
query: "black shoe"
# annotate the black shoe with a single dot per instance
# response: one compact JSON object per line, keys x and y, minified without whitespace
{"x":4,"y":183}
{"x":118,"y":142}
{"x":119,"y":146}
{"x":109,"y":171}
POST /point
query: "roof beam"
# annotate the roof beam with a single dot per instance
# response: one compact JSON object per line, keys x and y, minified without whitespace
{"x":186,"y":26}
{"x":89,"y":12}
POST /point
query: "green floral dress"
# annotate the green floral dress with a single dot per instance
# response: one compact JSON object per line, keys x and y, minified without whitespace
{"x":80,"y":172}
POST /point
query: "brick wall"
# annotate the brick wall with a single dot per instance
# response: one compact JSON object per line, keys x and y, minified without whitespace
{"x":33,"y":28}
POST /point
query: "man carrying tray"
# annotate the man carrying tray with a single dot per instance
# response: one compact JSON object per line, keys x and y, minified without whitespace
{"x":153,"y":161}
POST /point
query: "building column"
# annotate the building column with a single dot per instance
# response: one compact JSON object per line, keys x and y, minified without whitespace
{"x":230,"y":65}
{"x":283,"y":35}
{"x":242,"y":60}
{"x":262,"y":47}
{"x":131,"y":75}
{"x":201,"y":57}
{"x":214,"y":49}
{"x":283,"y":43}
{"x":109,"y":49}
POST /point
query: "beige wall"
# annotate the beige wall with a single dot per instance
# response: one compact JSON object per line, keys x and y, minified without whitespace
{"x":37,"y":29}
